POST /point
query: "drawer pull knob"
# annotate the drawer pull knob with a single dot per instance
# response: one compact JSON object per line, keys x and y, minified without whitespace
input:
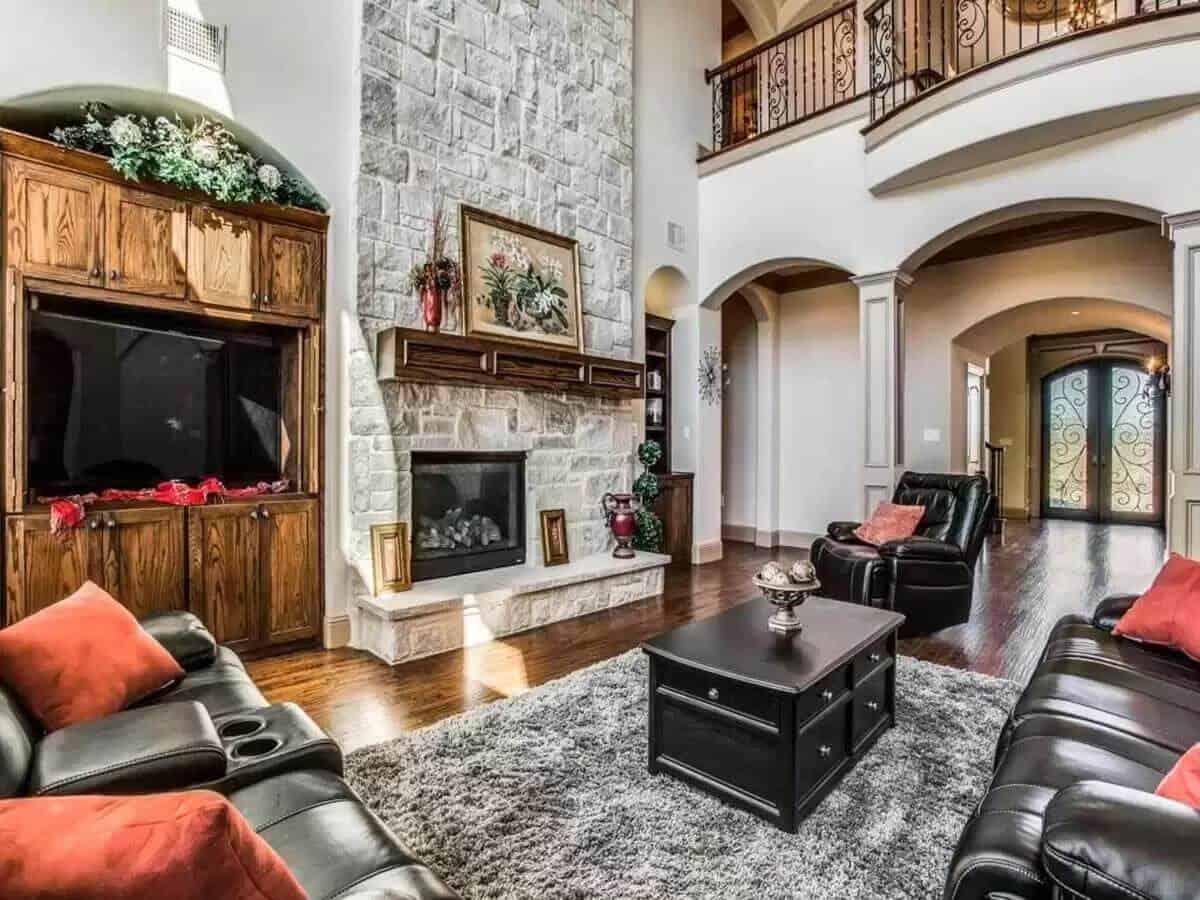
{"x":714,"y":694}
{"x":827,"y":695}
{"x":825,"y":750}
{"x":875,"y":657}
{"x":873,"y":705}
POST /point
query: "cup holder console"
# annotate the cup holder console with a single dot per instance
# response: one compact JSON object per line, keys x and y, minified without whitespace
{"x":256,"y":747}
{"x":261,"y":743}
{"x":240,"y":728}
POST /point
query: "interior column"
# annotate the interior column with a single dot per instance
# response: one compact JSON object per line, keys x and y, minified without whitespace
{"x":1183,"y":406}
{"x":880,"y":331}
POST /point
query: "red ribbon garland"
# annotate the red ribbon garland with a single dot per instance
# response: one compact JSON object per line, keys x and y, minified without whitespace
{"x":69,"y":512}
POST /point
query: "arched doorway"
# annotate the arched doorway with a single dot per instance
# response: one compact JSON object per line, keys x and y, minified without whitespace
{"x":1103,"y":443}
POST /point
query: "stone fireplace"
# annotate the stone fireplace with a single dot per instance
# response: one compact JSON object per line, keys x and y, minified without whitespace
{"x":468,"y":512}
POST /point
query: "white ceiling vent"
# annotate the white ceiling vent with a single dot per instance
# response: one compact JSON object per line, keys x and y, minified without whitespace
{"x":193,"y":39}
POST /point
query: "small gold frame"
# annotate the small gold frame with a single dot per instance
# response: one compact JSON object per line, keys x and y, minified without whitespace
{"x":554,"y":537}
{"x":390,"y":558}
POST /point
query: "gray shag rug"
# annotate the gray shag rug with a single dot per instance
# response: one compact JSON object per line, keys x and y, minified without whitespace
{"x":547,"y":796}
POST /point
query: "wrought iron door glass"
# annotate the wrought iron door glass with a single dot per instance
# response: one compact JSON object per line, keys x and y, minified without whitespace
{"x":1067,"y":454}
{"x":1134,"y":429}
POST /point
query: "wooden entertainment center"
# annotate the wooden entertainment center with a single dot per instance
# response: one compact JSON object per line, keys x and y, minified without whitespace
{"x":79,"y":236}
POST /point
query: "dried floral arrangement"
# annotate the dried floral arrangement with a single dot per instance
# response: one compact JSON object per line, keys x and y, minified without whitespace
{"x":439,"y":271}
{"x":199,"y":156}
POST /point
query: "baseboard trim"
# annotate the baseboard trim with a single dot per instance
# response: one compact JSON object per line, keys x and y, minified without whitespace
{"x":767,"y":540}
{"x":1018,"y":514}
{"x":337,"y":632}
{"x":742,"y":534}
{"x":798,"y":540}
{"x":707,"y":552}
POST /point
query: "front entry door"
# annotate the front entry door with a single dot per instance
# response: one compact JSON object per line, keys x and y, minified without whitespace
{"x":1103,"y":450}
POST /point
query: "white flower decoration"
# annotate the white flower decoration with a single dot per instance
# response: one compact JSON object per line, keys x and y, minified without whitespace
{"x":270,"y":177}
{"x":205,"y":152}
{"x":124,"y":132}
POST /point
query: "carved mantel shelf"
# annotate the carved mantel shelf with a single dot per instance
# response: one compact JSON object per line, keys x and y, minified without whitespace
{"x":409,"y":355}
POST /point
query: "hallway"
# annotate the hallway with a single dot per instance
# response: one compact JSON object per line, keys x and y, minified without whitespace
{"x":1042,"y":571}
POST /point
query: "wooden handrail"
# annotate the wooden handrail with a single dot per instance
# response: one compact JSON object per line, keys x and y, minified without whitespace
{"x":710,"y":74}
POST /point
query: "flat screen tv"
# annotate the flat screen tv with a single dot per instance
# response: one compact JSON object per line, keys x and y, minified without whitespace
{"x":131,"y":401}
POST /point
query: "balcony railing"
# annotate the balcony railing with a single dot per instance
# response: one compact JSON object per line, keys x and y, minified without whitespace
{"x":916,"y":45}
{"x":803,"y":71}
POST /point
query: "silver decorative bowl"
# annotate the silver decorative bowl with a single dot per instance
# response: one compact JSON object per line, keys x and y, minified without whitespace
{"x":787,"y":597}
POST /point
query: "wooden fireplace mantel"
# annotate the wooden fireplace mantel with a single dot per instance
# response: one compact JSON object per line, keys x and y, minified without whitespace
{"x":409,"y":355}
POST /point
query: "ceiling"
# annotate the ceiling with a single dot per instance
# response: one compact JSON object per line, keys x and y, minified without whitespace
{"x":766,"y":18}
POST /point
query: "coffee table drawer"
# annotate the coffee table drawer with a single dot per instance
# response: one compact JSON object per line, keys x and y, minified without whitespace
{"x":872,"y":658}
{"x":746,"y":699}
{"x":823,"y":695}
{"x":870,"y":704}
{"x":707,"y":742}
{"x":821,"y":747}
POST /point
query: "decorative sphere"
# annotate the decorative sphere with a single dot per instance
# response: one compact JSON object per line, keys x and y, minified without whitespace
{"x":802,"y":572}
{"x":773,"y":573}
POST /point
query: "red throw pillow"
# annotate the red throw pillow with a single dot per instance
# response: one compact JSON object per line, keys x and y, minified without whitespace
{"x":1169,"y":613}
{"x":891,"y":522}
{"x":192,"y":845}
{"x":1183,"y":781}
{"x":83,"y":658}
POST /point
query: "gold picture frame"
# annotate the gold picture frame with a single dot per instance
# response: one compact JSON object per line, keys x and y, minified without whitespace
{"x":391,"y":558}
{"x":510,"y":269}
{"x":554,"y":537}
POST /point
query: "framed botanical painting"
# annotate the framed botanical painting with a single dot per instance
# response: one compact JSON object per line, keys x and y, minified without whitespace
{"x":554,"y":537}
{"x":390,"y":558}
{"x":520,"y":283}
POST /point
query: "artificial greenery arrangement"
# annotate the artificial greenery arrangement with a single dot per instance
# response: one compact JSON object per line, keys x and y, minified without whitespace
{"x":201,"y":156}
{"x":649,"y":536}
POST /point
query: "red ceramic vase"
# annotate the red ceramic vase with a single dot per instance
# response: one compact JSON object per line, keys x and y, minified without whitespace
{"x":433,"y":301}
{"x":620,"y":512}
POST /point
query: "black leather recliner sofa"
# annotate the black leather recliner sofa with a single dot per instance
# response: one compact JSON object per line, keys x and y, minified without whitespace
{"x":928,"y":577}
{"x":214,"y":729}
{"x":1071,"y":810}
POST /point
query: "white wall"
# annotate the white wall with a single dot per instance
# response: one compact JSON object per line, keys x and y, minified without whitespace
{"x":291,"y":79}
{"x":739,"y":407}
{"x":820,"y":438}
{"x":674,"y":42}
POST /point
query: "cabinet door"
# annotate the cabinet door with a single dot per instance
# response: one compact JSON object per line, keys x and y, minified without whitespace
{"x":291,"y":586}
{"x":55,"y":223}
{"x":292,"y":270}
{"x":223,"y":567}
{"x":146,"y":243}
{"x":43,"y":568}
{"x":222,"y":260}
{"x":144,"y":559}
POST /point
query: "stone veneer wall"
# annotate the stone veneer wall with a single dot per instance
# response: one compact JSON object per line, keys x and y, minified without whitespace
{"x":524,"y":108}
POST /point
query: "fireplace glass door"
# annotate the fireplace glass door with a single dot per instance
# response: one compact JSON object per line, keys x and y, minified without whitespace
{"x":468,"y":513}
{"x":1103,"y":444}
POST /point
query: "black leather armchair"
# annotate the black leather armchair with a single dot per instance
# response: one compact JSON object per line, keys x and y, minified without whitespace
{"x":928,"y":577}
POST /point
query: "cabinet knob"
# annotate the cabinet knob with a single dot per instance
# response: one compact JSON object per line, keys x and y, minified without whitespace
{"x":825,"y":751}
{"x":254,"y":514}
{"x":266,"y":299}
{"x":714,"y":694}
{"x":94,"y":524}
{"x":110,"y":522}
{"x":873,"y":705}
{"x":115,"y":275}
{"x":827,"y":695}
{"x":254,"y":296}
{"x":875,"y":657}
{"x":266,"y":513}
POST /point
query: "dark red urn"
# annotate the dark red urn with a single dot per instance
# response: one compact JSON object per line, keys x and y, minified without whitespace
{"x":620,"y":512}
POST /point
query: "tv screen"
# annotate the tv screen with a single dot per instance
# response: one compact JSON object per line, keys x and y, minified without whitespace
{"x":130,"y":402}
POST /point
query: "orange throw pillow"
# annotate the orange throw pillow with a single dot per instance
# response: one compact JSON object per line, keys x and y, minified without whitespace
{"x":891,"y":522}
{"x":186,"y":846}
{"x":83,"y":658}
{"x":1169,"y":613}
{"x":1183,"y":781}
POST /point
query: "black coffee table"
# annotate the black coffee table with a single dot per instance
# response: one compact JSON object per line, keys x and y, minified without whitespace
{"x":772,"y":724}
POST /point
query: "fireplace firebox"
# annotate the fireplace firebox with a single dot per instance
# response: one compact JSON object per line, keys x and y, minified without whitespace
{"x":468,"y":512}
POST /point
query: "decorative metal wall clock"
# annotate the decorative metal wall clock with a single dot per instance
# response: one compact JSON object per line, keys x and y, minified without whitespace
{"x":711,"y":376}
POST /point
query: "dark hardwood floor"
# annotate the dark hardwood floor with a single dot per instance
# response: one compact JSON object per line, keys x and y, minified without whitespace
{"x":1040,"y":572}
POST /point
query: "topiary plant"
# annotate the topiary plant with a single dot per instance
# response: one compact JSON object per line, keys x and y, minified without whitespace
{"x":649,"y":536}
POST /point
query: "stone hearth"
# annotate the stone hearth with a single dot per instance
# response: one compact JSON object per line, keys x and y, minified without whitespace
{"x":466,"y":610}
